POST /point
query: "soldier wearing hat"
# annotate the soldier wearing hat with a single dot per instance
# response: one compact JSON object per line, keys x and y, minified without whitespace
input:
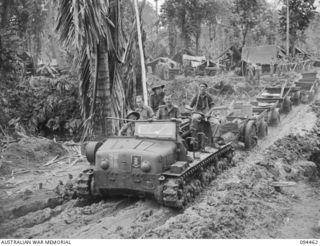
{"x":202,"y":103}
{"x":157,"y":98}
{"x":128,"y":128}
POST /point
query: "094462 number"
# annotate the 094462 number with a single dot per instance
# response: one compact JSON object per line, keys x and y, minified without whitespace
{"x":314,"y":241}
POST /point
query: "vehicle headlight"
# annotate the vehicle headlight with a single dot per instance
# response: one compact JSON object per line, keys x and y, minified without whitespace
{"x":105,"y":164}
{"x":145,"y":166}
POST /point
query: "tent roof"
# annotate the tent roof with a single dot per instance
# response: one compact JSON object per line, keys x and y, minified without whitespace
{"x":178,"y":56}
{"x":267,"y":54}
{"x":161,"y":59}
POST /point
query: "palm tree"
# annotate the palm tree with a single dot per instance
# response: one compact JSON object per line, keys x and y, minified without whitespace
{"x":93,"y":29}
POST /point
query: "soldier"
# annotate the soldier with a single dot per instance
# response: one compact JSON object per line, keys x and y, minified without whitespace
{"x":202,"y":103}
{"x":258,"y":72}
{"x":168,"y":111}
{"x":272,"y":67}
{"x":156,"y":99}
{"x":128,"y":128}
{"x":250,"y":72}
{"x":145,"y":111}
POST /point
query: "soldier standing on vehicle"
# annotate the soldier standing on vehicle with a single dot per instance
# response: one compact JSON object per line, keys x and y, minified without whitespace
{"x":128,"y":128}
{"x":157,"y":98}
{"x":145,"y":111}
{"x":168,"y":111}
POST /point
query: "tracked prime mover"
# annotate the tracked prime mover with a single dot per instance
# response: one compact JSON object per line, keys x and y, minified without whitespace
{"x":154,"y":162}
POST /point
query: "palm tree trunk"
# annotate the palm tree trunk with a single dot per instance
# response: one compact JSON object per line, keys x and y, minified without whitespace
{"x":102,"y":127}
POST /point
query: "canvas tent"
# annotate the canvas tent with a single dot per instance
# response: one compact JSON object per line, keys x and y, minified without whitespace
{"x":263,"y":55}
{"x":194,"y":61}
{"x":162,"y":66}
{"x":155,"y":62}
{"x":178,"y":56}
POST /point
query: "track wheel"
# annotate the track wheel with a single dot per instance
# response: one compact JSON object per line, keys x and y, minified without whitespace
{"x":286,"y":106}
{"x":83,"y":187}
{"x":93,"y":190}
{"x":250,"y":135}
{"x":219,"y":167}
{"x":263,"y":130}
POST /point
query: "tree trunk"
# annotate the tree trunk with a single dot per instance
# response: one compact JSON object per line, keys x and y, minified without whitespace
{"x":244,"y":35}
{"x":197,"y":43}
{"x":293,"y":47}
{"x":102,"y":127}
{"x":171,"y":38}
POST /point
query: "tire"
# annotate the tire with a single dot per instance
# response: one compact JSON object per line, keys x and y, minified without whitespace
{"x":316,"y":87}
{"x":311,"y":96}
{"x":263,"y":130}
{"x":305,"y":98}
{"x":286,"y":106}
{"x":296,"y":98}
{"x":274,"y":119}
{"x":250,"y":135}
{"x":280,"y":107}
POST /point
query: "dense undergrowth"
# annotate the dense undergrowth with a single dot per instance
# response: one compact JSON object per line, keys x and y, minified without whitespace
{"x":41,"y":106}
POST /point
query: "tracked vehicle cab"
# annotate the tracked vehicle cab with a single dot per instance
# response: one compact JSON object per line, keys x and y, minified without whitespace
{"x":146,"y":164}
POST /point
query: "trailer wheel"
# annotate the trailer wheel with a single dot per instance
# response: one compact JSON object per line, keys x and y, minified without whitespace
{"x":274,"y":118}
{"x":263,"y":130}
{"x":286,"y":106}
{"x":250,"y":135}
{"x":304,"y":98}
{"x":296,"y":98}
{"x":311,"y":96}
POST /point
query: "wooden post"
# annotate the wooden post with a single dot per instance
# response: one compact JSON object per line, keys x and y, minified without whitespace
{"x":288,"y":27}
{"x":157,"y":27}
{"x":143,"y":67}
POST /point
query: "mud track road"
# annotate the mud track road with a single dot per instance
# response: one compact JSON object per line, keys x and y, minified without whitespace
{"x":44,"y":216}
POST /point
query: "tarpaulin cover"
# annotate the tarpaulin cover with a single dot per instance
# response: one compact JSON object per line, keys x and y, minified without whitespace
{"x":194,"y":60}
{"x":261,"y":54}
